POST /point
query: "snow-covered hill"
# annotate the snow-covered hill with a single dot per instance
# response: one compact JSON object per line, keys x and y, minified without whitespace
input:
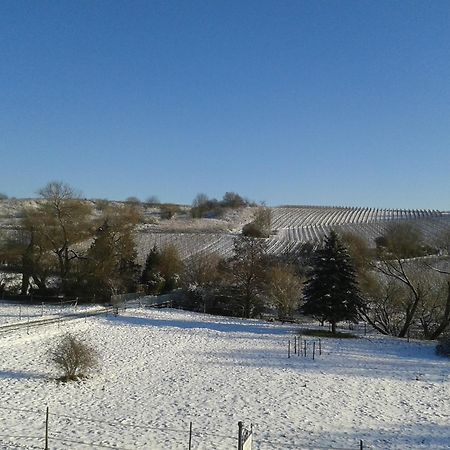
{"x":162,"y":369}
{"x":292,"y":226}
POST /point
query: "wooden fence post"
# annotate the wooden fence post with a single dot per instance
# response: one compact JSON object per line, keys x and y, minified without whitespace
{"x":314,"y":349}
{"x":361,"y":445}
{"x":320,"y":347}
{"x":46,"y":430}
{"x":190,"y":435}
{"x":289,"y":348}
{"x":240,"y":427}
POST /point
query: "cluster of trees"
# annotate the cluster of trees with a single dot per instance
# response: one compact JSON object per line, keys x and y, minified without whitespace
{"x":397,"y":287}
{"x":394,"y":286}
{"x":405,"y":286}
{"x":203,"y":206}
{"x":62,"y":246}
{"x":243,"y":285}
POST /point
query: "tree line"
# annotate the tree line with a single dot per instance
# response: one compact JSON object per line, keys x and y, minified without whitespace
{"x":62,"y":246}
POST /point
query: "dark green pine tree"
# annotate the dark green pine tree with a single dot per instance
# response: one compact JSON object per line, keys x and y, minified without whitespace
{"x":331,"y":293}
{"x":111,"y":266}
{"x":151,"y":276}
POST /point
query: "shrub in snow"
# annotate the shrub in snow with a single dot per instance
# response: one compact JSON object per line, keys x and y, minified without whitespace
{"x":73,"y":357}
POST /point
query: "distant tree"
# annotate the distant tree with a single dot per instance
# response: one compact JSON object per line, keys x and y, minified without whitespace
{"x":3,"y":196}
{"x":54,"y":228}
{"x":28,"y":253}
{"x":434,"y":309}
{"x":362,"y":258}
{"x":199,"y":205}
{"x":249,"y":270}
{"x":442,"y":242}
{"x":153,"y":200}
{"x":253,"y":230}
{"x":404,"y":293}
{"x":168,"y":210}
{"x":133,"y":200}
{"x":170,"y":267}
{"x":151,"y":278}
{"x":284,"y":290}
{"x":260,"y":226}
{"x":110,"y":263}
{"x":401,"y":240}
{"x":162,"y":270}
{"x":101,"y":204}
{"x":202,"y":278}
{"x":201,"y":270}
{"x":331,"y":292}
{"x":233,"y":200}
{"x":202,"y":206}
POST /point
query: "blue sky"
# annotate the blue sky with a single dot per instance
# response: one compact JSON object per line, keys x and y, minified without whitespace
{"x":287,"y":102}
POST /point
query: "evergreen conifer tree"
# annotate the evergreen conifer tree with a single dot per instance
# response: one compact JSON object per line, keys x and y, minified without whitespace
{"x":331,"y":293}
{"x":111,"y":266}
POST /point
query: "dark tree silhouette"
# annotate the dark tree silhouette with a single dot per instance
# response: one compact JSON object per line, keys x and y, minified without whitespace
{"x":331,"y":292}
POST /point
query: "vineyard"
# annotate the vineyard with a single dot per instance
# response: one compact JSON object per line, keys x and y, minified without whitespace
{"x":300,"y":216}
{"x":294,"y":226}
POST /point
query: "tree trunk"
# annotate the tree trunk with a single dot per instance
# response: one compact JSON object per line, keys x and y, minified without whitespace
{"x":333,"y":327}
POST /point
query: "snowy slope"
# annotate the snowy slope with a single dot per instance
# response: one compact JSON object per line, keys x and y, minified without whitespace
{"x":163,"y":369}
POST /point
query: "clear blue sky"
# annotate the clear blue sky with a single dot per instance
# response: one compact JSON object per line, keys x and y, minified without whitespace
{"x":288,"y":102}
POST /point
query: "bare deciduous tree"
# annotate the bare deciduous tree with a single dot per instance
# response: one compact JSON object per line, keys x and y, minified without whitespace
{"x":249,"y":271}
{"x":284,"y":290}
{"x":59,"y":222}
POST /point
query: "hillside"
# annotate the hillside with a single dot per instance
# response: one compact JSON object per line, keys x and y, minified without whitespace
{"x":291,"y":225}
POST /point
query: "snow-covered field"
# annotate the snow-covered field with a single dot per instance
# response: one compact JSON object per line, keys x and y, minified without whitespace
{"x":162,"y":369}
{"x":11,"y":313}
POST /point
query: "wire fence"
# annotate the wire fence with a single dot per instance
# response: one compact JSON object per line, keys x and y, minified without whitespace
{"x":46,"y":430}
{"x":61,"y":431}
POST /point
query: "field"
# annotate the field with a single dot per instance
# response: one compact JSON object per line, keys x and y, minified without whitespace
{"x":162,"y":369}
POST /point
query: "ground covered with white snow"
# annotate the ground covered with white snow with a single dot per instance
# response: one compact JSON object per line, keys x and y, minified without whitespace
{"x":162,"y":369}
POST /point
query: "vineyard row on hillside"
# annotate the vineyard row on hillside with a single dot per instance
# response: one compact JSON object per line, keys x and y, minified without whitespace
{"x":286,"y":240}
{"x":285,"y":217}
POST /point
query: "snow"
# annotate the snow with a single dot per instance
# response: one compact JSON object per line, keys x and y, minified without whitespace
{"x":12,"y":313}
{"x":162,"y":369}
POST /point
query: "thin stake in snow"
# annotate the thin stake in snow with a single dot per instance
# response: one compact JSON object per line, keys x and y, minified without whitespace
{"x":190,"y":435}
{"x":240,"y":427}
{"x":289,"y":348}
{"x":314,"y":350}
{"x":46,"y":430}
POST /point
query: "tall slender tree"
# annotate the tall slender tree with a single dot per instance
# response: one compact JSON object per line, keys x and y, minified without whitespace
{"x":331,"y":292}
{"x":249,"y":271}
